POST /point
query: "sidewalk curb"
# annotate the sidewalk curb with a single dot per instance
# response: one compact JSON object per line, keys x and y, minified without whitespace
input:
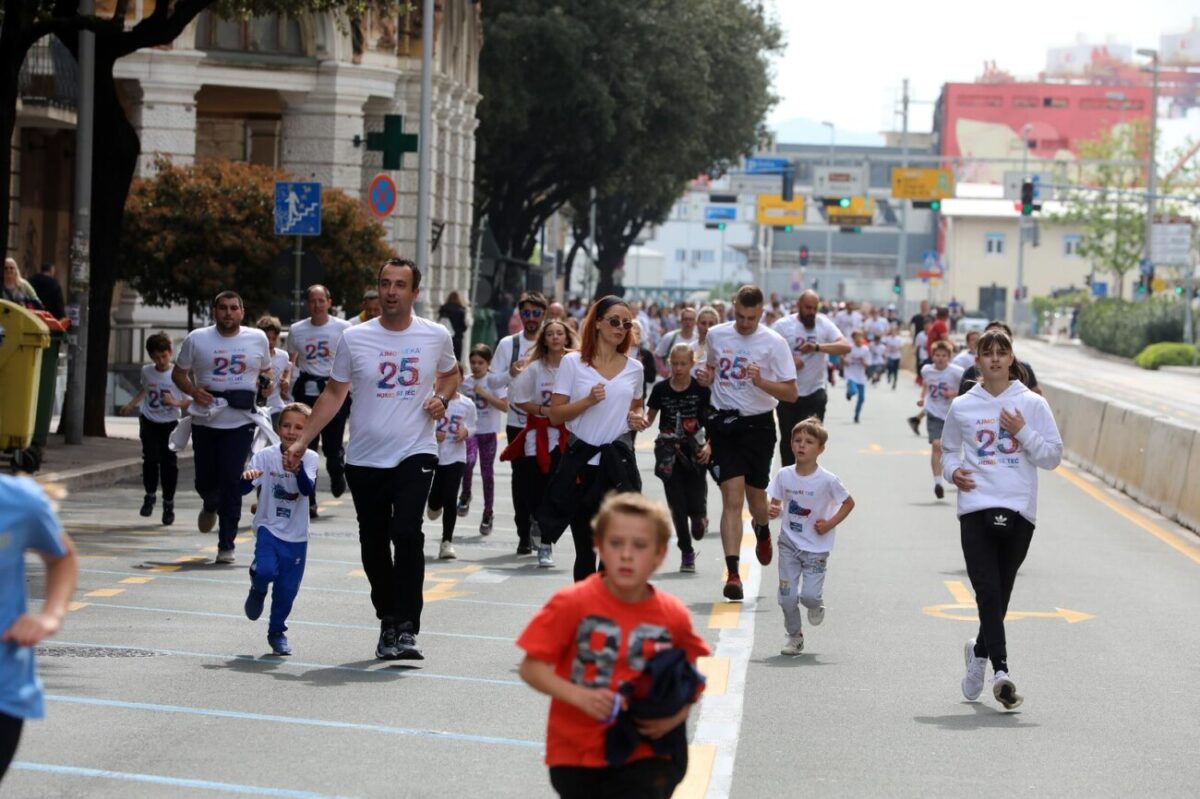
{"x":92,"y":476}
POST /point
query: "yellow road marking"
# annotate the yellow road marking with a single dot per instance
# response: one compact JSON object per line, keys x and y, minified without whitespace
{"x":699,"y":773}
{"x":137,"y":580}
{"x":165,"y":569}
{"x":1131,"y":515}
{"x":105,"y":592}
{"x":77,"y":606}
{"x":716,"y":674}
{"x":332,"y":503}
{"x":724,"y":615}
{"x":960,"y":592}
{"x":442,"y":591}
{"x":356,"y":573}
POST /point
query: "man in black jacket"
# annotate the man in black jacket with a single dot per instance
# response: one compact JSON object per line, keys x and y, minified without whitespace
{"x":48,"y":291}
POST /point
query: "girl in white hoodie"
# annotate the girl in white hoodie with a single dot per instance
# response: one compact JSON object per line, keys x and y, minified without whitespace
{"x":996,"y":437}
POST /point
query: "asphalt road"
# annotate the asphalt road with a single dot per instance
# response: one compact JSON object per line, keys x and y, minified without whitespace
{"x":159,"y":686}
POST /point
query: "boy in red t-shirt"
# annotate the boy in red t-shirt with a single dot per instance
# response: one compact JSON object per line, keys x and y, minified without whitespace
{"x":621,"y":621}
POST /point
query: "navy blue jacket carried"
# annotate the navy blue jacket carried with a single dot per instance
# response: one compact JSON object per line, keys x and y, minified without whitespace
{"x":668,"y":683}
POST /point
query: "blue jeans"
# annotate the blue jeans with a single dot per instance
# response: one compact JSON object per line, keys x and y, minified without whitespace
{"x":282,"y":563}
{"x":220,"y":458}
{"x":853,"y":388}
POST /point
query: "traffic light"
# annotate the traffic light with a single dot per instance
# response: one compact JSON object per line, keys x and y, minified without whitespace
{"x":896,"y":285}
{"x":714,"y":225}
{"x":847,"y":229}
{"x":782,"y":228}
{"x":932,"y":205}
{"x":840,"y":202}
{"x":788,"y":190}
{"x":1027,"y":205}
{"x":804,"y":255}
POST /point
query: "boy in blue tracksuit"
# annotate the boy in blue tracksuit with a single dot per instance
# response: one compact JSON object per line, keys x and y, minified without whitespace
{"x":280,"y":525}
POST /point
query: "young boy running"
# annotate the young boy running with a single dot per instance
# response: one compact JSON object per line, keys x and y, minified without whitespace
{"x":681,"y":450}
{"x":158,"y":416}
{"x":491,"y":406}
{"x":453,"y":430}
{"x":595,"y":635}
{"x":817,"y":503}
{"x":280,"y":525}
{"x":940,"y":379}
{"x":856,"y":371}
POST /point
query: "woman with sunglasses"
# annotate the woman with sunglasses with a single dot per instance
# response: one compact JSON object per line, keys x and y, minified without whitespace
{"x":598,"y":396}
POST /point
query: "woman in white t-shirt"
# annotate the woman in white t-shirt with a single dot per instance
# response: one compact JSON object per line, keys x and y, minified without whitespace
{"x":706,"y":319}
{"x":536,"y":450}
{"x":598,"y":396}
{"x":279,"y":389}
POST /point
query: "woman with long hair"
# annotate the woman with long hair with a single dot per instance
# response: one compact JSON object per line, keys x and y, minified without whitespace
{"x":453,"y":315}
{"x":598,"y":397}
{"x":996,"y":437}
{"x":706,"y":319}
{"x":535,"y":451}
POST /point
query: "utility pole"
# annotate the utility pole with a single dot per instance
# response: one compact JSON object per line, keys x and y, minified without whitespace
{"x":1151,"y":166}
{"x":902,"y":255}
{"x":81,"y":259}
{"x":1016,"y":317}
{"x":423,"y":148}
{"x":594,"y":248}
{"x":828,"y":226}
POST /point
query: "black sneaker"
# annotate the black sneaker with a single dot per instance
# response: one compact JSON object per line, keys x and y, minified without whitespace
{"x":485,"y":525}
{"x":525,"y":548}
{"x":337,"y":483}
{"x":915,"y":423}
{"x":168,"y":511}
{"x":406,"y":643}
{"x":938,"y":491}
{"x":386,"y":648}
{"x":147,"y":505}
{"x":464,"y":505}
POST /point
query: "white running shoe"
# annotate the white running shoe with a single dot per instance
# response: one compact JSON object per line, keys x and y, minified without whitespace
{"x":816,"y":615}
{"x":545,"y":554}
{"x":224,"y":556}
{"x":973,"y":680}
{"x":446,"y":551}
{"x":1005,"y":691}
{"x":794,"y":645}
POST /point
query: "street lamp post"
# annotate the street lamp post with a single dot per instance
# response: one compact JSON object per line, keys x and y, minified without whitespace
{"x":828,"y":224}
{"x":1151,"y":167}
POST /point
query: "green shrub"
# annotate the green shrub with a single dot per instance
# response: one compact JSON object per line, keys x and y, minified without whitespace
{"x":1168,"y":353}
{"x":1126,"y":328}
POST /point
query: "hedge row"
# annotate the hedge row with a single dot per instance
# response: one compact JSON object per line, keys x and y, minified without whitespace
{"x":1168,"y":353}
{"x":1126,"y":328}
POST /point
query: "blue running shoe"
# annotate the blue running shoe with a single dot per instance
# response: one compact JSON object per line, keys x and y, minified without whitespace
{"x":254,"y":604}
{"x":279,"y":644}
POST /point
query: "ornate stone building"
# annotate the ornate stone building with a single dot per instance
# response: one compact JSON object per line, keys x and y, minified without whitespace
{"x":301,"y":94}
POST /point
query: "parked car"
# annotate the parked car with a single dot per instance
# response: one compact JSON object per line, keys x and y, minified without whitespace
{"x":972,"y":322}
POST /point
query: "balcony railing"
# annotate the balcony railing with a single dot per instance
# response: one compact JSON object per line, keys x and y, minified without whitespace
{"x":50,"y":75}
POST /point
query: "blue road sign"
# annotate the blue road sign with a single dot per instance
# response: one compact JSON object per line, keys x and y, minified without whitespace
{"x":297,"y":209}
{"x":1037,"y":186}
{"x":719,"y":213}
{"x":1145,"y":266}
{"x":1099,"y":288}
{"x":767,"y":166}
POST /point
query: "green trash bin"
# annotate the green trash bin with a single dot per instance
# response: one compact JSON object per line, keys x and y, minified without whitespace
{"x":48,"y":381}
{"x":483,"y":328}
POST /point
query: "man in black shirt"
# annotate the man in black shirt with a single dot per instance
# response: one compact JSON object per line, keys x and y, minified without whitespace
{"x":48,"y":291}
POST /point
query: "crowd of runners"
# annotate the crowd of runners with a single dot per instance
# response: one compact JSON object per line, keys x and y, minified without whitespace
{"x":720,"y":389}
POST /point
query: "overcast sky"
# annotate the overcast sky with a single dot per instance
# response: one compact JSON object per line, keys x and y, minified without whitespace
{"x":845,"y":59}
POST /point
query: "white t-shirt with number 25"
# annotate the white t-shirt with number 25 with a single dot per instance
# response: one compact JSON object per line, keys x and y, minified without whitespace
{"x":730,"y":354}
{"x":392,"y":374}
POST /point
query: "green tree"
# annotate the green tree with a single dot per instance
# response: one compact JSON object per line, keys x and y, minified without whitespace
{"x":191,"y":231}
{"x":115,"y":153}
{"x":707,"y":61}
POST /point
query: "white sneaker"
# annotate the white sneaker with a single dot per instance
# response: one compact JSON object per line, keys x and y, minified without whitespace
{"x":545,"y":556}
{"x":446,"y":551}
{"x":1005,"y":691}
{"x":433,"y":515}
{"x":972,"y":681}
{"x":224,"y":556}
{"x":794,"y":645}
{"x":816,"y":615}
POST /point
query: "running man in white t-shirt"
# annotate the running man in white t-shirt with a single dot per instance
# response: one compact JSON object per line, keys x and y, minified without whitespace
{"x":403,"y":372}
{"x":510,"y":357}
{"x":812,"y":337}
{"x":750,"y":369}
{"x":218,"y":367}
{"x":311,"y":344}
{"x":685,"y":334}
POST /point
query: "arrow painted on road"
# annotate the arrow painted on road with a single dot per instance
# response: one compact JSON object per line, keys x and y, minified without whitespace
{"x":965,"y":600}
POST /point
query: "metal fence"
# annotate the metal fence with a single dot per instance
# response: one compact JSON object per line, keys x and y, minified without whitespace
{"x":49,"y":76}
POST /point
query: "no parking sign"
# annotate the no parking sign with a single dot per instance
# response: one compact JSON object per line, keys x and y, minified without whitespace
{"x":381,"y":196}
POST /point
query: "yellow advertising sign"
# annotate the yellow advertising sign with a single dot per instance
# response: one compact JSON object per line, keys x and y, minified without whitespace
{"x":922,"y":184}
{"x":772,"y":210}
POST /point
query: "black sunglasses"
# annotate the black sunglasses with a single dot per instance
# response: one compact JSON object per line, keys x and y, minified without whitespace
{"x":531,"y":313}
{"x":616,"y":321}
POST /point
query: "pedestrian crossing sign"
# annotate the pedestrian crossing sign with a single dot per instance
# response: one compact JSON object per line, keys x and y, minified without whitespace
{"x":297,"y":209}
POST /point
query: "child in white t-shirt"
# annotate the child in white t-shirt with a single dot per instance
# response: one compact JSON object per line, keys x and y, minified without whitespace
{"x":878,"y":358}
{"x":816,"y":503}
{"x":453,"y":430}
{"x":280,"y":525}
{"x":857,"y":361}
{"x":893,"y":346}
{"x":940,"y":380}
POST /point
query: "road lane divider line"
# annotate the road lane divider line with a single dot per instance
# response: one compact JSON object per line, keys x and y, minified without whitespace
{"x":127,"y":580}
{"x":719,"y":716}
{"x":699,"y":773}
{"x":385,"y":668}
{"x":960,"y":592}
{"x":299,"y":721}
{"x":1131,"y":515}
{"x":724,"y":615}
{"x":105,"y":592}
{"x":76,"y":605}
{"x":716,"y":674}
{"x":174,"y":782}
{"x":331,"y":625}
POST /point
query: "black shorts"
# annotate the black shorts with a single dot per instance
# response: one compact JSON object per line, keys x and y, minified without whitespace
{"x":744,"y":452}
